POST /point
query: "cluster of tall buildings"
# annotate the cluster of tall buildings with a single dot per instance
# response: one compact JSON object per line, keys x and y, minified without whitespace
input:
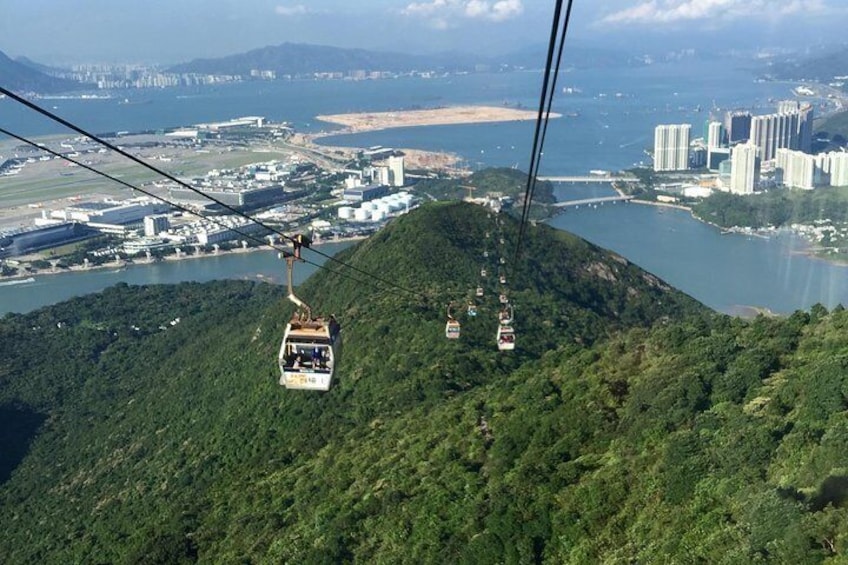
{"x":742,"y":144}
{"x":389,"y":173}
{"x":802,"y":170}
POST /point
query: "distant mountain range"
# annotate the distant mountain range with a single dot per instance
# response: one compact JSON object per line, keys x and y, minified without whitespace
{"x":27,"y":76}
{"x":299,"y":58}
{"x":821,"y":67}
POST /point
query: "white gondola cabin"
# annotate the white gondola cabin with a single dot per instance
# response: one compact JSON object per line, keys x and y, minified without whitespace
{"x":452,"y":327}
{"x":309,"y":353}
{"x":310,"y":348}
{"x":479,"y":291}
{"x":506,"y":337}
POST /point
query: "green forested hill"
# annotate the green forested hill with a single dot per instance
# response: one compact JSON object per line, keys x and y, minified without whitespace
{"x":631,"y":425}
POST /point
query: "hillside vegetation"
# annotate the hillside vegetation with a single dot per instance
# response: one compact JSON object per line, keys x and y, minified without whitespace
{"x":776,"y":208}
{"x":630,"y":425}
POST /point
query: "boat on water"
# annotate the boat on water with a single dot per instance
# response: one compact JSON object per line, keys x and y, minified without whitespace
{"x":17,"y":281}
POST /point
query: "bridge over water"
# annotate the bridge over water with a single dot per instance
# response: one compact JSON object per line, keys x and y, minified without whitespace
{"x":588,"y":179}
{"x":598,"y":200}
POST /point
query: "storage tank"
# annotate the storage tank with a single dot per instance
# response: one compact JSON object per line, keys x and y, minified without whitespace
{"x":345,"y":212}
{"x":378,"y":216}
{"x":361,"y":214}
{"x":384,"y":208}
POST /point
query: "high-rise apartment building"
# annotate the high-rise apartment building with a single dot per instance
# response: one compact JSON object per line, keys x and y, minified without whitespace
{"x":838,"y":168}
{"x":796,"y":169}
{"x":805,"y":128}
{"x":790,"y":128}
{"x":396,"y":174}
{"x":715,"y":135}
{"x":775,"y":131}
{"x":671,"y":147}
{"x":744,"y":168}
{"x":738,"y":126}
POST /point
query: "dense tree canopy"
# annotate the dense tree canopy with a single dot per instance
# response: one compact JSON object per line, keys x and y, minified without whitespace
{"x":630,"y":425}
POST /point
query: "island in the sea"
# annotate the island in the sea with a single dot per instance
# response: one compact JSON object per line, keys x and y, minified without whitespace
{"x":449,"y":115}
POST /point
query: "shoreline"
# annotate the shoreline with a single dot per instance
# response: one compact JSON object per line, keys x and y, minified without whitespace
{"x":143,"y":261}
{"x":811,"y":251}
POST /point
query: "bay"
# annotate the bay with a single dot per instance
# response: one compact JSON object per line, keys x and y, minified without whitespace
{"x":608,"y":125}
{"x":254,"y":265}
{"x":730,"y":273}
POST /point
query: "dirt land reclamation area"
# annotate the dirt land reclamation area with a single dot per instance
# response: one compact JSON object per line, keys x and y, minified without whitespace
{"x":452,"y":115}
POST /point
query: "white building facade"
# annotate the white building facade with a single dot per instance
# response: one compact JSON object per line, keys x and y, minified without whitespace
{"x":744,"y":168}
{"x":671,"y":147}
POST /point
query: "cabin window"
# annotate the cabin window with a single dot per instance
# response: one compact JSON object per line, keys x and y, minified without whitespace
{"x":300,"y":356}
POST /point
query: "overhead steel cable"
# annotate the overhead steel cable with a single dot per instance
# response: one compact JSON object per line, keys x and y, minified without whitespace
{"x":173,"y":204}
{"x":540,"y":115}
{"x":130,"y":156}
{"x":543,"y":117}
{"x":551,"y":92}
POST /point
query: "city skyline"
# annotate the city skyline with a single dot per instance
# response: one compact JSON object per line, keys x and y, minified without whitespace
{"x":165,"y":32}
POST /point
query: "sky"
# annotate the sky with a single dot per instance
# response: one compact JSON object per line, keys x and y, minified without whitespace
{"x":171,"y":31}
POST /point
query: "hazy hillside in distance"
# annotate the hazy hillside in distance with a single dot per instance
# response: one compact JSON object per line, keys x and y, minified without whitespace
{"x":631,"y":424}
{"x":21,"y":77}
{"x":299,"y":58}
{"x":821,"y":67}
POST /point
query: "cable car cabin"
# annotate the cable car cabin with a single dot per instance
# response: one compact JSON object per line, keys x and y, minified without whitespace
{"x":472,"y":309}
{"x":309,"y":353}
{"x":503,"y":279}
{"x":503,"y":299}
{"x":483,"y":272}
{"x":502,"y":241}
{"x":452,"y":329}
{"x":479,"y":291}
{"x":503,"y":261}
{"x":486,"y":254}
{"x":506,"y":338}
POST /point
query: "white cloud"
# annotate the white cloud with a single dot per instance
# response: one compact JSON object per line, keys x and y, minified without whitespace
{"x":425,"y":8}
{"x":477,"y":8}
{"x":669,"y":11}
{"x":506,"y":9}
{"x":295,"y":10}
{"x":442,"y":13}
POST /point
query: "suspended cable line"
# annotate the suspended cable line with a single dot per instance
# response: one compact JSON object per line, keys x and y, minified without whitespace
{"x":130,"y":156}
{"x":285,"y":252}
{"x":551,"y":92}
{"x":545,"y":105}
